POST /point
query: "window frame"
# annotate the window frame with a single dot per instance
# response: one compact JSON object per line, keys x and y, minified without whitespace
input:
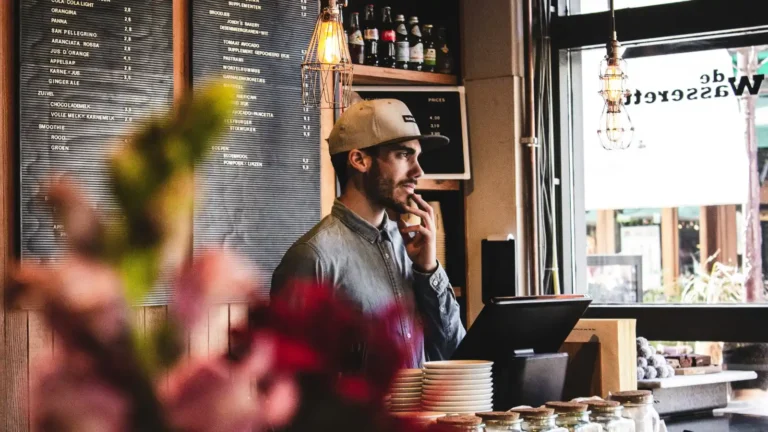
{"x":672,"y":23}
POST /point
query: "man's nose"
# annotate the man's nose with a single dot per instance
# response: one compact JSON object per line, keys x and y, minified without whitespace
{"x":416,"y":171}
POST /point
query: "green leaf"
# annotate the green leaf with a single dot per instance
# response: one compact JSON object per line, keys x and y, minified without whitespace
{"x":138,"y":270}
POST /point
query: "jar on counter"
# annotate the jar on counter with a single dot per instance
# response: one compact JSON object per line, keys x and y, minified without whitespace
{"x":574,"y":417}
{"x":608,"y":415}
{"x":422,"y":418}
{"x":638,"y":406}
{"x":463,"y":423}
{"x":539,"y":420}
{"x":500,"y":421}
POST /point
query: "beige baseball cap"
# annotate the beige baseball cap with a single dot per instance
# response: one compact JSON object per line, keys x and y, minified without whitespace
{"x":376,"y":122}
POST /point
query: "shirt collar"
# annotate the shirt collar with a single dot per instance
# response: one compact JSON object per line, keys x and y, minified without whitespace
{"x":360,"y":225}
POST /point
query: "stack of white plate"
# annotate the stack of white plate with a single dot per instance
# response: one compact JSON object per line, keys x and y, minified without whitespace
{"x":405,"y":394}
{"x":458,"y":386}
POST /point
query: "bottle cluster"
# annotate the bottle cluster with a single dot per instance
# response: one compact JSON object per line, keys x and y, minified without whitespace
{"x":380,"y":40}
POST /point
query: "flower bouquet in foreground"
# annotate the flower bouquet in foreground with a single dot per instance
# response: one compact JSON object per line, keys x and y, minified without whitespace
{"x":295,"y":366}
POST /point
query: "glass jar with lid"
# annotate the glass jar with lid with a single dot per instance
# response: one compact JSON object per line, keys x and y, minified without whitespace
{"x":498,"y":421}
{"x":463,"y":423}
{"x":638,"y":406}
{"x":608,"y":415}
{"x":574,"y":417}
{"x":421,"y":418}
{"x":539,"y":420}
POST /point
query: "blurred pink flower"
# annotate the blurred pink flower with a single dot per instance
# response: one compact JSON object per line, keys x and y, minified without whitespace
{"x":79,"y":295}
{"x":213,"y":275}
{"x":219,"y":396}
{"x":70,"y":397}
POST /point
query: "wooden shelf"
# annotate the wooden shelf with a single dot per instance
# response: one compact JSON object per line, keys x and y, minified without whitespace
{"x":438,"y":185}
{"x":388,"y":76}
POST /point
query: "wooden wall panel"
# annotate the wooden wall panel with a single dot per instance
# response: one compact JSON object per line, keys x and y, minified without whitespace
{"x":218,"y":328}
{"x":139,"y":319}
{"x":155,"y":317}
{"x":238,"y":316}
{"x":198,"y":339}
{"x":40,"y":350}
{"x":7,"y":138}
{"x":16,"y":371}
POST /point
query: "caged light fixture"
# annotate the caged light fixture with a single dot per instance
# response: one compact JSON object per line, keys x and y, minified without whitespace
{"x":326,"y":72}
{"x":616,"y":130}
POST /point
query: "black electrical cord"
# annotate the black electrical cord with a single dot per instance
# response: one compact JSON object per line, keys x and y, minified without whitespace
{"x":543,"y":90}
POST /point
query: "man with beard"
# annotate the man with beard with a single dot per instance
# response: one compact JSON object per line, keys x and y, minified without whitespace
{"x":370,"y":259}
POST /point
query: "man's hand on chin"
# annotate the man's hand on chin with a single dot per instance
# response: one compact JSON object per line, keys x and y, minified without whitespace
{"x":422,"y":246}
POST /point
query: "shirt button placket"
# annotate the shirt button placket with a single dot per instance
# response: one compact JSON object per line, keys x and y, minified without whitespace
{"x":388,"y":261}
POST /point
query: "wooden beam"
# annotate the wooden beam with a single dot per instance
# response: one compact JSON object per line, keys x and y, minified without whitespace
{"x":181,"y":41}
{"x":718,"y":234}
{"x":438,"y":185}
{"x":327,"y":174}
{"x":388,"y":76}
{"x":605,"y":233}
{"x":670,"y":249}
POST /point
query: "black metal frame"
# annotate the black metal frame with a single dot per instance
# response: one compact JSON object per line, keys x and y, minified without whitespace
{"x":668,"y":28}
{"x":721,"y":323}
{"x":684,"y":19}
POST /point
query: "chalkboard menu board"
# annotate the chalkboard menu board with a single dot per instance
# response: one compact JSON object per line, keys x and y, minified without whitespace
{"x":91,"y":70}
{"x":438,"y":111}
{"x":261,"y":187}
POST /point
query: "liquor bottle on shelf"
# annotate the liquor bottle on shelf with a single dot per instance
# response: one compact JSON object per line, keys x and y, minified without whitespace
{"x":356,"y":43}
{"x":387,"y":48}
{"x":402,"y":46}
{"x":371,"y":37}
{"x":416,"y":55}
{"x":444,"y":54}
{"x":430,"y":49}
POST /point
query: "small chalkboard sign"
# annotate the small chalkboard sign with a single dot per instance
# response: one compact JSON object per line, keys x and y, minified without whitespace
{"x":439,"y":111}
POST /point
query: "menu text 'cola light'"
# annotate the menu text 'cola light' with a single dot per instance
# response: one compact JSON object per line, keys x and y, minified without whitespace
{"x":616,"y":131}
{"x":326,"y":72}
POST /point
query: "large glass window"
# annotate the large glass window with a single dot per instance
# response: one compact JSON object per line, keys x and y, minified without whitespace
{"x":677,"y":217}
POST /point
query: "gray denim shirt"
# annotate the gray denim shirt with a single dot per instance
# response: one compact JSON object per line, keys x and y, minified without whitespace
{"x":371,"y":268}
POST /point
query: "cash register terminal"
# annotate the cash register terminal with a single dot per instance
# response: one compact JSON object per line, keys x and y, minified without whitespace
{"x":522,"y":336}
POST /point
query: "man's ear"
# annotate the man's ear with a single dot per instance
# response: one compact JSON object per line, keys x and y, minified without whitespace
{"x":360,"y":161}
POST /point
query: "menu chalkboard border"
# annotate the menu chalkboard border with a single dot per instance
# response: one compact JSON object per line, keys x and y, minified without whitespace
{"x":17,"y":198}
{"x":467,"y":174}
{"x":162,"y":294}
